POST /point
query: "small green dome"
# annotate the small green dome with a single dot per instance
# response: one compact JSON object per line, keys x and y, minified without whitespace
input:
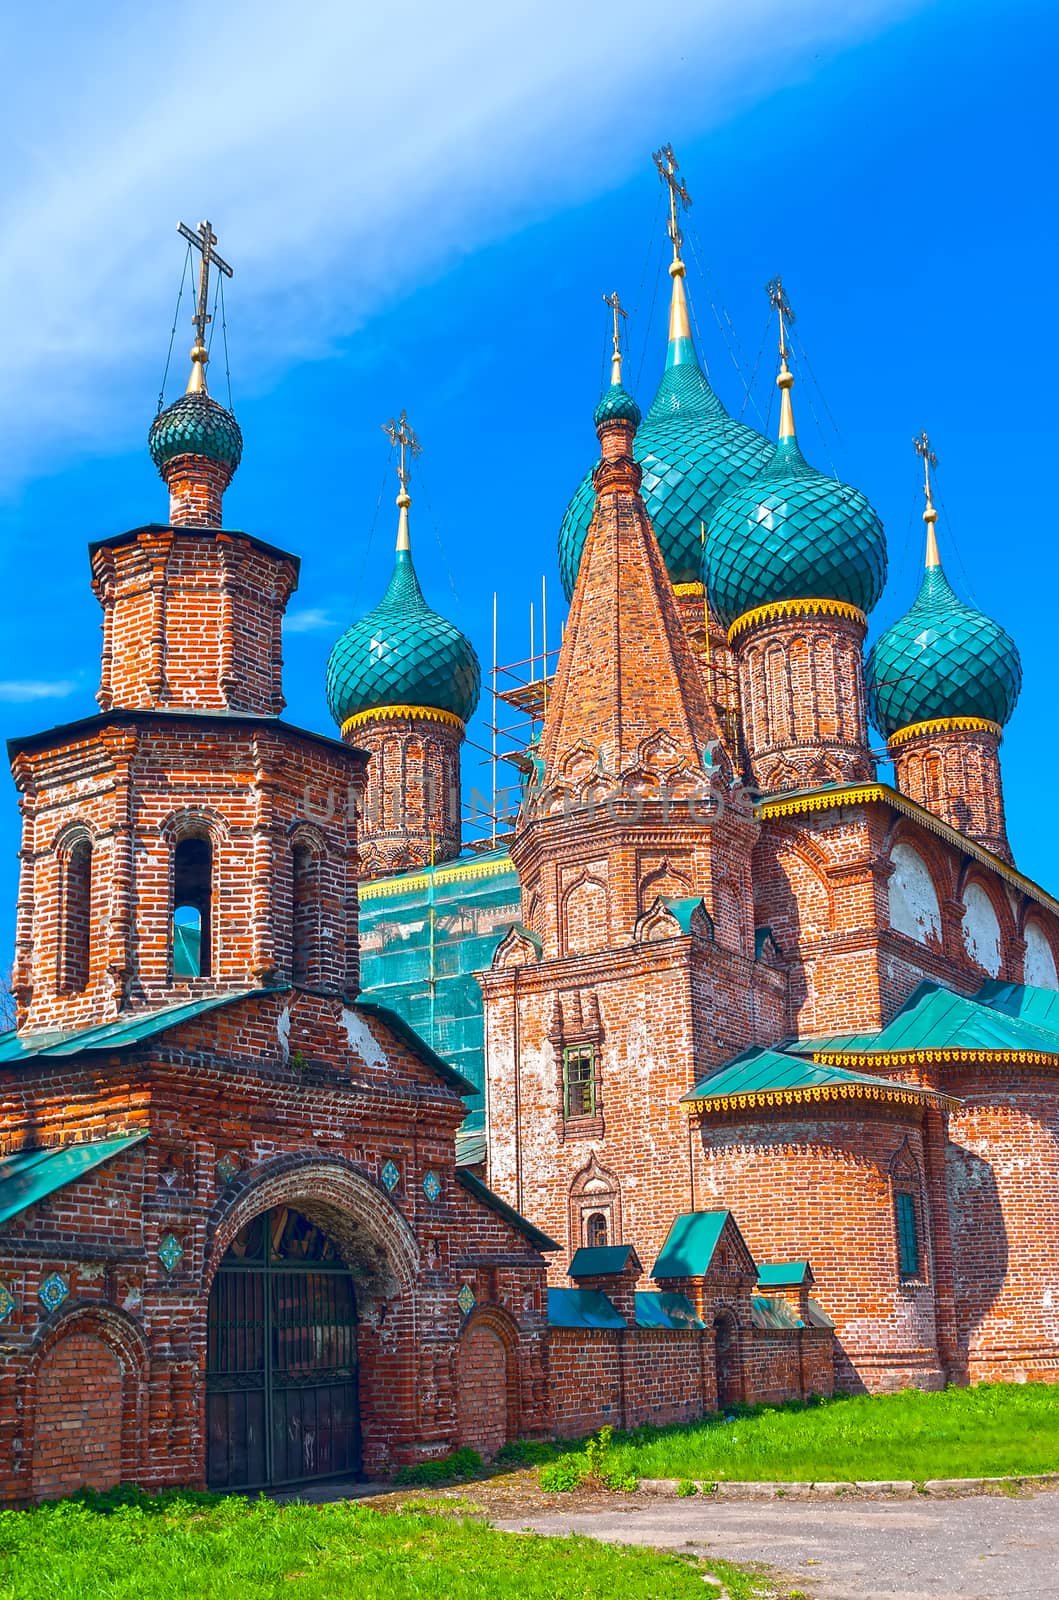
{"x":617,"y":405}
{"x":692,"y":454}
{"x":793,"y":534}
{"x":195,"y":425}
{"x":403,"y":653}
{"x":941,"y":659}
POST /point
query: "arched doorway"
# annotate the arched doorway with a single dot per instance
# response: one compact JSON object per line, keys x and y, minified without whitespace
{"x":281,"y":1358}
{"x":483,"y":1389}
{"x":726,"y":1359}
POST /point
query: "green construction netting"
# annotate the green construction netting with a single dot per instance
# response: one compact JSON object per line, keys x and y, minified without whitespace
{"x":423,"y":936}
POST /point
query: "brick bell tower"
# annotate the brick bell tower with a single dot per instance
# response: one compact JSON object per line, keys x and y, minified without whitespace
{"x":794,"y":563}
{"x":403,"y":682}
{"x":184,"y":841}
{"x":943,"y":681}
{"x":633,"y":852}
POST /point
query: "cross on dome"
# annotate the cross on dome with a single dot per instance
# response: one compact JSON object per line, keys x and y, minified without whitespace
{"x":203,"y":239}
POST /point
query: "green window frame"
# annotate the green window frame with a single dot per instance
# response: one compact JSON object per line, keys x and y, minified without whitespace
{"x":579,"y":1081}
{"x":907,"y":1234}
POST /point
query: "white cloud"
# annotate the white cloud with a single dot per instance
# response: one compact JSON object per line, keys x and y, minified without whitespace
{"x":309,"y":620}
{"x":19,"y":691}
{"x":345,"y":153}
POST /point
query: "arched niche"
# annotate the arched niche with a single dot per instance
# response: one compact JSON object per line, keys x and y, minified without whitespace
{"x":981,"y":929}
{"x":914,"y":908}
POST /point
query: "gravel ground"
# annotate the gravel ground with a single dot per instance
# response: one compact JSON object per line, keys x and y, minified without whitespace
{"x":983,"y":1547}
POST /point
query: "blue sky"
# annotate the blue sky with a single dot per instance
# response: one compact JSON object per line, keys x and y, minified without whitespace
{"x":426,"y":216}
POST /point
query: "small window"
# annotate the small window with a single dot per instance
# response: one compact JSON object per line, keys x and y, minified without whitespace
{"x":192,"y":903}
{"x":907,"y":1234}
{"x":596,"y":1231}
{"x":579,"y":1081}
{"x":77,"y":917}
{"x":305,"y":927}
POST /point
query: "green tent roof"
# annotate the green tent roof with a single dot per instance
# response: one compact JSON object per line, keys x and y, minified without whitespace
{"x":601,"y":1260}
{"x":691,"y":1243}
{"x":582,"y":1308}
{"x":657,"y":1309}
{"x":29,"y":1175}
{"x":784,"y":1274}
{"x":936,"y":1020}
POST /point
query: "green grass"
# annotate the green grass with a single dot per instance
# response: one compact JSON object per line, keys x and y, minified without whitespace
{"x":990,"y":1431}
{"x":233,"y":1550}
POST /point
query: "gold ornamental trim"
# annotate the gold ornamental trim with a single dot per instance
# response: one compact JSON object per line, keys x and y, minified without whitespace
{"x":758,"y":1099}
{"x":359,"y":719}
{"x":777,"y":609}
{"x":864,"y":793}
{"x":934,"y":1057}
{"x":689,"y":591}
{"x":380,"y":888}
{"x":917,"y":730}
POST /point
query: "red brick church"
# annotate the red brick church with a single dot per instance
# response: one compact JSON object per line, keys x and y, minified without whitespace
{"x":328,"y":1145}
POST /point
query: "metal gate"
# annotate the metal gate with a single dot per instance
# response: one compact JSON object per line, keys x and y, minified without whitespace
{"x":281,"y":1359}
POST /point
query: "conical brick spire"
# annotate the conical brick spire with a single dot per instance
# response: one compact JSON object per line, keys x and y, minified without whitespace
{"x":627,"y":687}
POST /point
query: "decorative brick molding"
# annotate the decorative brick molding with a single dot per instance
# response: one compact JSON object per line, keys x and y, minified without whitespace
{"x":952,"y":768}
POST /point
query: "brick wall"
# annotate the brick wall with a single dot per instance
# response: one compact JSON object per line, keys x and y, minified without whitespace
{"x":77,"y":1420}
{"x":411,"y":809}
{"x":955,"y":772}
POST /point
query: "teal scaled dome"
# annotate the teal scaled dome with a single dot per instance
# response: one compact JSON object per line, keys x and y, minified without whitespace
{"x":692,"y":454}
{"x":403,"y":653}
{"x":617,"y":405}
{"x":793,"y":534}
{"x":195,"y":425}
{"x":941,"y":659}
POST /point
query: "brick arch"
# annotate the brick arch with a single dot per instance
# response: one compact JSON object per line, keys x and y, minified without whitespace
{"x":585,"y":915}
{"x":938,"y":857}
{"x":594,"y":1189}
{"x":972,"y":877}
{"x":91,"y":1365}
{"x":932,"y":936}
{"x":1032,"y":919}
{"x":183,"y":823}
{"x":488,"y":1398}
{"x":307,"y":836}
{"x":77,"y":831}
{"x":370,"y":1232}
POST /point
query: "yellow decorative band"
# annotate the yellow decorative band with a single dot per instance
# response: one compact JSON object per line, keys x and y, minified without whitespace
{"x":689,"y":591}
{"x":921,"y":730}
{"x":359,"y":719}
{"x":928,"y":1057}
{"x":852,"y":794}
{"x":777,"y":609}
{"x":764,"y":1098}
{"x":380,"y":888}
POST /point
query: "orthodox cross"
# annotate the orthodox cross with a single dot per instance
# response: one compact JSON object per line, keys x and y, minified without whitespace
{"x":204,"y":241}
{"x":401,"y":435}
{"x":619,"y":311}
{"x":921,"y":446}
{"x":781,"y":305}
{"x":679,"y":198}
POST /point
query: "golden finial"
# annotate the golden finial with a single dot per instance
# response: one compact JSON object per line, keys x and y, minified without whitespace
{"x":204,"y":240}
{"x":401,"y":435}
{"x":781,"y":305}
{"x":679,"y":199}
{"x":619,"y":311}
{"x":921,"y":446}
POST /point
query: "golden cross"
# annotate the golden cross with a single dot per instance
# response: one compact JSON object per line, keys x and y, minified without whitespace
{"x":619,"y":311}
{"x":204,"y":240}
{"x":679,"y":198}
{"x":401,"y":435}
{"x":921,"y":446}
{"x":781,"y":305}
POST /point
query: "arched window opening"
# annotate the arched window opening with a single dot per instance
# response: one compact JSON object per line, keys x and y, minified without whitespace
{"x":908,"y":1251}
{"x":596,"y":1231}
{"x":76,"y":916}
{"x":305,"y":928}
{"x":192,"y":902}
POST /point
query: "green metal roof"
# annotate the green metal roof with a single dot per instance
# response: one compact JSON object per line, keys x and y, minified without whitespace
{"x":403,"y":653}
{"x":120,"y":1034}
{"x":195,"y":425}
{"x":617,"y":405}
{"x":761,"y":1072}
{"x":480,"y":1191}
{"x":582,"y":1308}
{"x":783,"y":1274}
{"x":691,"y":1243}
{"x":941,"y":659}
{"x":29,"y":1175}
{"x":1024,"y":1000}
{"x":818,"y":1317}
{"x":769,"y":1312}
{"x":692,"y":454}
{"x":657,"y":1309}
{"x":934,"y":1019}
{"x":793,"y":534}
{"x":600,"y":1260}
{"x":423,"y":937}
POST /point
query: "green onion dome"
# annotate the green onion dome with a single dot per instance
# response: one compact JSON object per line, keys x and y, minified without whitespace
{"x":617,"y":405}
{"x":195,"y":425}
{"x":692,"y":454}
{"x":941,"y":659}
{"x":793,"y":534}
{"x":403,"y":653}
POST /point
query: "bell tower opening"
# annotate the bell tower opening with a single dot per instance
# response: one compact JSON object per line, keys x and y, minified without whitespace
{"x":192,"y":905}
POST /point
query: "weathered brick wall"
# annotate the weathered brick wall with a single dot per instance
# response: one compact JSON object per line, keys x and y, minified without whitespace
{"x":411,"y":810}
{"x":77,"y":1420}
{"x":780,"y":1364}
{"x":955,"y":772}
{"x":292,"y":1099}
